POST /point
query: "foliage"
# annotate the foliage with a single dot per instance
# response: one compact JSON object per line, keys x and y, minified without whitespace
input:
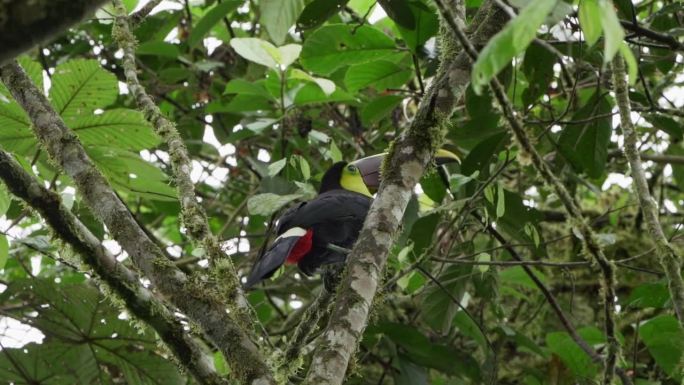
{"x":268,"y":94}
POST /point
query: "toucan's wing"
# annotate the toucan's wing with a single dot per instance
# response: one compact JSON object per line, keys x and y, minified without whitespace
{"x":336,"y":217}
{"x":332,"y":217}
{"x":276,"y":255}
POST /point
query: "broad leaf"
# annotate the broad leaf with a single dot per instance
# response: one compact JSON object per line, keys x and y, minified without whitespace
{"x":318,"y":11}
{"x":81,"y":86}
{"x":213,"y":16}
{"x":278,"y":16}
{"x":333,"y":46}
{"x":268,"y":203}
{"x":664,"y":339}
{"x":590,"y":20}
{"x":510,"y":42}
{"x":380,"y":74}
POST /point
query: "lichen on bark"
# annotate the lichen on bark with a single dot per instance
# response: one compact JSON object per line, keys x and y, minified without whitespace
{"x":406,"y":162}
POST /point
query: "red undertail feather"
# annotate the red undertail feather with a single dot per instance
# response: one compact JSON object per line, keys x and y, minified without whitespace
{"x":300,"y":249}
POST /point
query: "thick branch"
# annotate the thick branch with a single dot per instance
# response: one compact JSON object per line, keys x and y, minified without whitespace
{"x":405,"y":165}
{"x":193,"y":216}
{"x":24,"y":24}
{"x":585,"y":233}
{"x":194,"y":297}
{"x":669,"y":260}
{"x":140,"y":301}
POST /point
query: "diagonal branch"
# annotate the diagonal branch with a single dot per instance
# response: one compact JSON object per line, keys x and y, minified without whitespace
{"x":193,"y":216}
{"x":669,"y":260}
{"x":582,"y":228}
{"x":406,"y":163}
{"x":125,"y":283}
{"x":200,"y":302}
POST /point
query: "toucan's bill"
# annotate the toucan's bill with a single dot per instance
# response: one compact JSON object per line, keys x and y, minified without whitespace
{"x":369,"y":167}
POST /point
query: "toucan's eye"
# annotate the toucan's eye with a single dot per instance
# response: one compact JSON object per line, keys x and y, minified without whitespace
{"x":351,"y":168}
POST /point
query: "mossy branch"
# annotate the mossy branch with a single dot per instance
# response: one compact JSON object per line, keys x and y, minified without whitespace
{"x":669,"y":260}
{"x":404,"y":166}
{"x":125,"y":283}
{"x":193,"y":217}
{"x":200,"y":302}
{"x":582,"y":228}
{"x":25,"y":24}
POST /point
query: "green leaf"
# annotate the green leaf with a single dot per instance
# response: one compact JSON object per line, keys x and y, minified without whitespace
{"x":432,"y":355}
{"x":268,"y":203}
{"x":243,"y":87}
{"x":655,"y":295}
{"x":121,"y":128}
{"x":612,"y":30}
{"x":85,"y":337}
{"x":501,"y":201}
{"x":5,"y":199}
{"x":511,"y":41}
{"x":288,"y":54}
{"x":257,"y":50}
{"x":277,"y":16}
{"x":81,"y":86}
{"x":400,"y":12}
{"x":517,"y":276}
{"x":4,"y":250}
{"x":275,"y":167}
{"x":438,"y":307}
{"x":538,"y":69}
{"x":632,"y":65}
{"x":158,"y":48}
{"x":664,"y":338}
{"x":327,"y":86}
{"x":562,"y":345}
{"x":333,"y":46}
{"x":381,"y":74}
{"x":207,"y":22}
{"x":409,"y":373}
{"x":379,"y":107}
{"x":426,"y":25}
{"x":314,"y":93}
{"x":127,"y":171}
{"x":318,"y":11}
{"x":585,"y":146}
{"x":590,"y":20}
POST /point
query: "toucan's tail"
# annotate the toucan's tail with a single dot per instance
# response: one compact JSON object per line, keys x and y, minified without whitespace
{"x":290,"y":246}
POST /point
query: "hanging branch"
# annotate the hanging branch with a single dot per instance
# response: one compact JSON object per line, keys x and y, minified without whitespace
{"x":24,"y":24}
{"x":193,"y":217}
{"x":194,"y":297}
{"x":405,"y":164}
{"x":583,"y":230}
{"x":125,"y":283}
{"x":669,"y":260}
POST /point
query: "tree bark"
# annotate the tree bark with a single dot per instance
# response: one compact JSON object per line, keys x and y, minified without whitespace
{"x":200,"y":302}
{"x":669,"y":260}
{"x":140,"y":301}
{"x":24,"y":24}
{"x":405,"y":164}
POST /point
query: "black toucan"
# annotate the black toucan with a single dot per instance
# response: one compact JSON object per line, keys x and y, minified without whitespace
{"x":335,"y":217}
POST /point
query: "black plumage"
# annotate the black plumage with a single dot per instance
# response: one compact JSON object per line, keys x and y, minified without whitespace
{"x":335,"y":216}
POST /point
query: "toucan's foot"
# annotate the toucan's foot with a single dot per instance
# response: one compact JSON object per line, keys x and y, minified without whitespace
{"x":331,"y":275}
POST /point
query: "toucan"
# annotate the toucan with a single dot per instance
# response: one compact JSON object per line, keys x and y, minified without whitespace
{"x":334,"y":217}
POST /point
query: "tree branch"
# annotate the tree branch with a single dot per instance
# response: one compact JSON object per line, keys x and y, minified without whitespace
{"x":669,"y":259}
{"x":202,"y":303}
{"x":583,"y":230}
{"x":125,"y":283}
{"x":405,"y":164}
{"x":25,"y":24}
{"x":193,"y":216}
